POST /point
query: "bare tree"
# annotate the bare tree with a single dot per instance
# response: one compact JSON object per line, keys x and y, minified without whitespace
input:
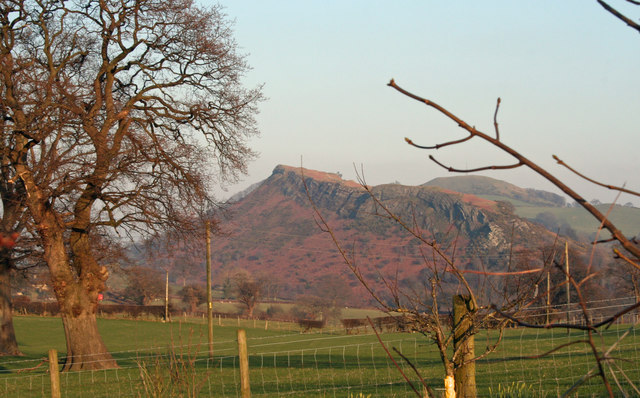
{"x":8,"y":342}
{"x":248,"y":290}
{"x":12,"y":212}
{"x":629,"y":251}
{"x":144,"y":285}
{"x":328,"y":295}
{"x":116,"y":115}
{"x":193,"y":296}
{"x":16,"y":252}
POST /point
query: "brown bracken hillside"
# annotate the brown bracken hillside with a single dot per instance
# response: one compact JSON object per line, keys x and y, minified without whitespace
{"x":273,"y":232}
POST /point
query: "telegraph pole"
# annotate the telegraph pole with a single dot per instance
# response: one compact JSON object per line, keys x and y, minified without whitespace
{"x":209,"y":302}
{"x":566,"y":262}
{"x":548,"y":295}
{"x":166,"y":298}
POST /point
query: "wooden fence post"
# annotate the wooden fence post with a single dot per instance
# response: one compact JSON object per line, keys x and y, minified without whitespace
{"x":465,"y":374}
{"x":54,"y":373}
{"x":245,"y":387}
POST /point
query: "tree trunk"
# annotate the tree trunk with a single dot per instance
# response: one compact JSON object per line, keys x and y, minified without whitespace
{"x":78,"y":306}
{"x":465,"y":373}
{"x":8,"y":342}
{"x":194,"y":306}
{"x":76,"y":287}
{"x":85,"y":348}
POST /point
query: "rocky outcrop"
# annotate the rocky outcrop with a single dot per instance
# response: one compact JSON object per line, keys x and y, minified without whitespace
{"x":273,"y":231}
{"x":483,"y":224}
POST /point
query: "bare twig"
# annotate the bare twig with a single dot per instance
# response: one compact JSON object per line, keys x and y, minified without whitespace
{"x":424,"y":383}
{"x":43,"y":361}
{"x":438,"y":146}
{"x":595,"y":326}
{"x":495,"y":119}
{"x":621,"y":16}
{"x":591,"y":373}
{"x":393,"y":360}
{"x":625,"y":258}
{"x":596,"y":354}
{"x":612,"y":187}
{"x":629,"y":381}
{"x":492,"y":167}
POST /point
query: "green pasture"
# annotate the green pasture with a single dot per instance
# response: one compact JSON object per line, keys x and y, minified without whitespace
{"x":171,"y":359}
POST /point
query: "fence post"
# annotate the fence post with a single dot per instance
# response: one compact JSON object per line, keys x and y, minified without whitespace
{"x":465,"y":374}
{"x":245,"y":388}
{"x":54,"y":373}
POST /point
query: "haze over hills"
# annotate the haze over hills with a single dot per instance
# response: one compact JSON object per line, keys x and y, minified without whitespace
{"x":273,"y":231}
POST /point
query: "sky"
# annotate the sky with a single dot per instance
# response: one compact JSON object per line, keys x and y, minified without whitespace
{"x":566,"y":72}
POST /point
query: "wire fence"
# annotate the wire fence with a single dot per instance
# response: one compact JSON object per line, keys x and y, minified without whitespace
{"x":338,"y":365}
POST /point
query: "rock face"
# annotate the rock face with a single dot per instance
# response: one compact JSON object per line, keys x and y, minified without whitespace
{"x":273,"y":231}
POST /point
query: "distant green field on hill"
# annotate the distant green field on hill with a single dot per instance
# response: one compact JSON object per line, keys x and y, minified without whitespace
{"x":626,"y":218}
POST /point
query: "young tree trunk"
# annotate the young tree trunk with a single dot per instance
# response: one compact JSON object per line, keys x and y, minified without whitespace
{"x":465,"y":373}
{"x":8,"y":342}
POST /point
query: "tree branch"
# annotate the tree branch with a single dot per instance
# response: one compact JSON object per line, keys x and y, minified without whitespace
{"x":621,"y":16}
{"x":615,"y":232}
{"x":612,"y":187}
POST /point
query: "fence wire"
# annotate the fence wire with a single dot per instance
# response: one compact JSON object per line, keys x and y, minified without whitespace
{"x":339,"y":365}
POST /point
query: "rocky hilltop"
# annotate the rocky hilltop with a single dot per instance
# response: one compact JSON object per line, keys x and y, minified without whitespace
{"x":273,"y":231}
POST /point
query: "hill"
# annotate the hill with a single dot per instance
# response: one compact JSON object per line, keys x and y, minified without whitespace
{"x":273,"y":231}
{"x":498,"y":190}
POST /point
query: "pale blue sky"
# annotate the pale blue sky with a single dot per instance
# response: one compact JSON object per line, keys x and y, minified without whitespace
{"x":567,"y":72}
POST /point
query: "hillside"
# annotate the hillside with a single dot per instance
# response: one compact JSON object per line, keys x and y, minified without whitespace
{"x":500,"y":190}
{"x":541,"y":206}
{"x":273,"y":231}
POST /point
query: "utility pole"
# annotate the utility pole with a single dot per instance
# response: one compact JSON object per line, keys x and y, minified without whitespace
{"x":166,"y":298}
{"x":209,"y":302}
{"x":566,"y":270}
{"x":548,"y":295}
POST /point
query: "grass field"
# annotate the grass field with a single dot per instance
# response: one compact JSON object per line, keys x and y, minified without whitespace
{"x":285,"y":362}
